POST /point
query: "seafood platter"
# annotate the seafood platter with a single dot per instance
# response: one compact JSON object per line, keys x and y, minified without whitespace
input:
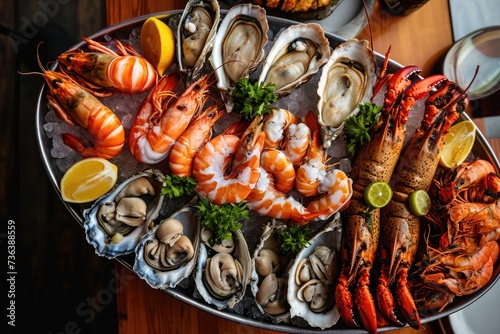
{"x":305,"y":249}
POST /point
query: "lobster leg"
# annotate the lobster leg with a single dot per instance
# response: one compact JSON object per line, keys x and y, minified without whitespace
{"x":365,"y":302}
{"x":385,"y":300}
{"x":344,"y":301}
{"x":405,"y":300}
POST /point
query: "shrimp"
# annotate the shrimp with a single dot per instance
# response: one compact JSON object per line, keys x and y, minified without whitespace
{"x":461,"y":262}
{"x":337,"y":189}
{"x":276,"y":162}
{"x":313,"y":167}
{"x":469,"y":219}
{"x":296,"y":143}
{"x":76,"y":106}
{"x":196,"y":135}
{"x":276,"y":124}
{"x":464,"y":177}
{"x":269,"y":198}
{"x":267,"y":201}
{"x":464,"y":281}
{"x":103,"y":71}
{"x":157,"y":127}
{"x":212,"y":161}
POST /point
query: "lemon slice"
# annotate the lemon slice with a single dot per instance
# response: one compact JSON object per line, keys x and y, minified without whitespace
{"x":420,"y":203}
{"x":458,"y":143}
{"x":378,"y":194}
{"x":88,"y":179}
{"x":157,"y":44}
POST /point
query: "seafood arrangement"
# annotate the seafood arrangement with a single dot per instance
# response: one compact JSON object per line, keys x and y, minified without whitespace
{"x":364,"y":266}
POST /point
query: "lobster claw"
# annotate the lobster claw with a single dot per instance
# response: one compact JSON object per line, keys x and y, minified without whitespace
{"x":385,"y":301}
{"x":405,"y":300}
{"x":420,"y":89}
{"x":365,"y":302}
{"x":344,"y":302}
{"x":363,"y":298}
{"x":398,"y":83}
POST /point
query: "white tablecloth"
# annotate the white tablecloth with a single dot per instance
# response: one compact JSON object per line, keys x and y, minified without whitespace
{"x":470,"y":15}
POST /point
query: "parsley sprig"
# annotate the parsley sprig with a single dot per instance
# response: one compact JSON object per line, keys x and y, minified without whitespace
{"x":294,"y":238}
{"x":222,"y":220}
{"x":356,"y":128}
{"x":252,"y":100}
{"x":176,"y":186}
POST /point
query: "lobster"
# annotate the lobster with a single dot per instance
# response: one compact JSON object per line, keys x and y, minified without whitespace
{"x":400,"y":228}
{"x":375,"y":162}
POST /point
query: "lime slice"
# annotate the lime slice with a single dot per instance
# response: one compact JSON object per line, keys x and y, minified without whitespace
{"x":420,"y":203}
{"x":458,"y":143}
{"x":378,"y":194}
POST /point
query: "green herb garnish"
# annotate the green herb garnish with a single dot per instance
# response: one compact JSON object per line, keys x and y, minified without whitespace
{"x":222,"y":220}
{"x":294,"y":238}
{"x":356,"y":127}
{"x":176,"y":186}
{"x":252,"y":100}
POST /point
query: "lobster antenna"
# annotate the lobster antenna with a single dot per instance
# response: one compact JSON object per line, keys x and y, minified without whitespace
{"x":369,"y":23}
{"x":462,"y":95}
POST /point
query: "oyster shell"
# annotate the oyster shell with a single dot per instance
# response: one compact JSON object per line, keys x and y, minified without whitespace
{"x":223,"y":273}
{"x":296,"y":55}
{"x":167,"y":254}
{"x":270,"y":274}
{"x":238,"y":46}
{"x":312,"y":276}
{"x":115,"y":222}
{"x":195,"y":35}
{"x":346,"y":81}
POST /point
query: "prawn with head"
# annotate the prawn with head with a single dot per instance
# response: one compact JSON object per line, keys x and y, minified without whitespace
{"x":212,"y":162}
{"x":76,"y":106}
{"x":163,"y":118}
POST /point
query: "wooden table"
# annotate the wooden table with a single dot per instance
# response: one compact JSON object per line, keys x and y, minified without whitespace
{"x":420,"y":38}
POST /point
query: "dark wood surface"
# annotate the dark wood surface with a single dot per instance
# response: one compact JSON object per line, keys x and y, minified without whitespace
{"x":61,"y":286}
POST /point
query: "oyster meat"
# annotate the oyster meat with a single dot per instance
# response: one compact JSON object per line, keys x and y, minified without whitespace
{"x":312,"y":276}
{"x":195,"y":36}
{"x":223,"y":271}
{"x":296,"y":55}
{"x":167,"y":254}
{"x":346,"y":81}
{"x":115,"y":222}
{"x":270,"y":274}
{"x":239,"y":45}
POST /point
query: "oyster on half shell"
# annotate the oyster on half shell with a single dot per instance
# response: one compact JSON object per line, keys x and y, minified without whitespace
{"x":238,"y":46}
{"x":270,"y":274}
{"x":311,"y":281}
{"x":115,"y":222}
{"x":296,"y":55}
{"x":346,"y":81}
{"x":195,"y":35}
{"x":223,"y":271}
{"x":167,"y":254}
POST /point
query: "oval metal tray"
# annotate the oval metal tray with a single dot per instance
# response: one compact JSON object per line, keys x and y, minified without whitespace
{"x":122,"y":31}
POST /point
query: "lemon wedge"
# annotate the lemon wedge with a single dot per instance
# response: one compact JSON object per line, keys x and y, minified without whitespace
{"x":157,"y":44}
{"x":88,"y":179}
{"x":458,"y":143}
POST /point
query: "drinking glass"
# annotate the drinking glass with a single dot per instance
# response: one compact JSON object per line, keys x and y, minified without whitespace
{"x":481,"y":47}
